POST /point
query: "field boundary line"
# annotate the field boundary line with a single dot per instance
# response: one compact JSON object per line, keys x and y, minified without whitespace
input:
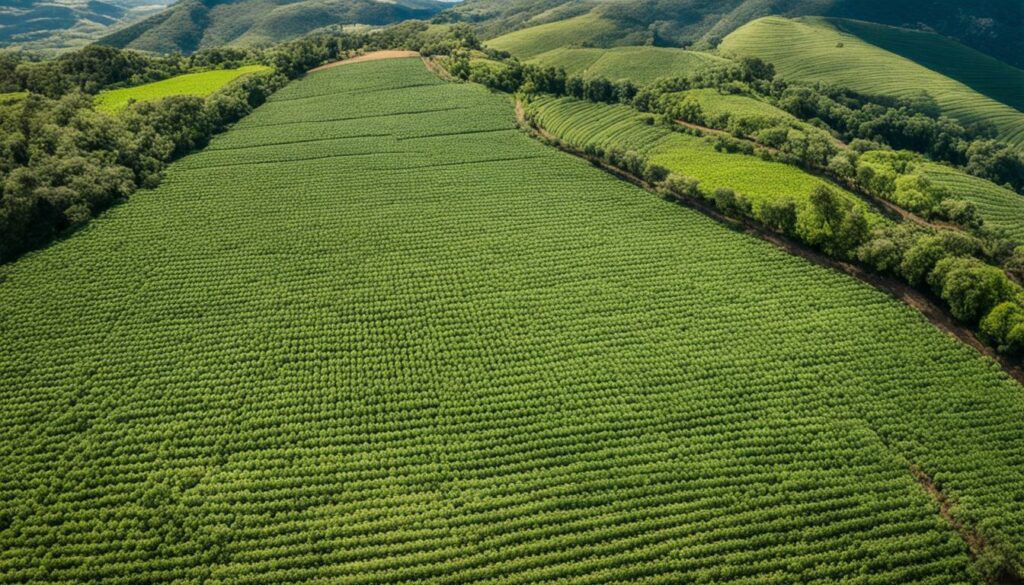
{"x":372,"y":56}
{"x":356,"y":92}
{"x":934,"y":313}
{"x":290,"y":142}
{"x":295,"y":160}
{"x":512,"y":129}
{"x":411,"y":113}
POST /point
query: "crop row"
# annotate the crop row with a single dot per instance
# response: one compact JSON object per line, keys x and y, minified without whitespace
{"x":475,"y":371}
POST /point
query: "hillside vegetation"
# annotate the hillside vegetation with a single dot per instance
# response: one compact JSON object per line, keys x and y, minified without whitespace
{"x":582,"y":124}
{"x":588,"y":28}
{"x":52,"y":26}
{"x":717,"y":105}
{"x":992,"y":26}
{"x":191,"y":25}
{"x":363,"y":314}
{"x":983,"y":74}
{"x":196,"y":84}
{"x":641,"y":65}
{"x":816,"y":49}
{"x":998,"y":207}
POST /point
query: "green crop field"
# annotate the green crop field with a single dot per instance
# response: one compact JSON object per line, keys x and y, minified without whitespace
{"x":197,"y":84}
{"x":377,"y":334}
{"x":714,"y":103}
{"x":530,"y":42}
{"x":983,"y":74}
{"x":815,"y":49}
{"x":581,"y":123}
{"x":999,"y":207}
{"x":641,"y":65}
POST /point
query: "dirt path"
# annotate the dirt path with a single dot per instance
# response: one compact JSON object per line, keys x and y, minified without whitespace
{"x":374,"y":56}
{"x":898,"y":289}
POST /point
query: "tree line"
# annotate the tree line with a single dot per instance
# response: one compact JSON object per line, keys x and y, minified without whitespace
{"x":967,"y":269}
{"x":62,"y":162}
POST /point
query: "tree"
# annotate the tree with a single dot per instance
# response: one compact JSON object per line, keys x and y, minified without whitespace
{"x":853,"y":231}
{"x":961,"y":212}
{"x":781,"y":216}
{"x":927,"y":250}
{"x":1005,"y":326}
{"x":970,"y":287}
{"x":996,"y":162}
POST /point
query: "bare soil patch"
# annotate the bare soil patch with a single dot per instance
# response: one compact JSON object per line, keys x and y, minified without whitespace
{"x":374,"y":56}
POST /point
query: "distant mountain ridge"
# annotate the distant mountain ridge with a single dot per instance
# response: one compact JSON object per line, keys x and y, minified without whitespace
{"x":190,"y":25}
{"x":55,"y":24}
{"x":995,"y":27}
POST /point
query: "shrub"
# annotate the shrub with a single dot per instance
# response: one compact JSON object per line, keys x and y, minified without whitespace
{"x":970,"y":287}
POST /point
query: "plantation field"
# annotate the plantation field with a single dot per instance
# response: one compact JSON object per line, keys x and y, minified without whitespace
{"x":532,"y":41}
{"x":716,"y":104}
{"x":816,"y":49}
{"x":197,"y":84}
{"x":998,"y":206}
{"x":581,"y":123}
{"x":986,"y":75}
{"x":641,"y":65}
{"x":377,"y":334}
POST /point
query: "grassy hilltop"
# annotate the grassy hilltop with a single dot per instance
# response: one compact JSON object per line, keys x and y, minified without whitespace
{"x":991,"y":26}
{"x":816,"y":49}
{"x":376,"y":333}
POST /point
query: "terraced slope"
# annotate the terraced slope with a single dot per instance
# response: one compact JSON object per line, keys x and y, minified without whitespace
{"x":999,"y":207}
{"x":620,"y":127}
{"x":530,"y":42}
{"x":714,"y":104}
{"x":376,"y":334}
{"x":197,"y":84}
{"x":641,"y":65}
{"x":983,"y":74}
{"x":816,"y":49}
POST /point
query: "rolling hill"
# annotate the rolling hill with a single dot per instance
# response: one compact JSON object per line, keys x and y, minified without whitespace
{"x":190,"y":25}
{"x":816,"y":49}
{"x":62,"y":24}
{"x":995,"y":27}
{"x":582,"y":124}
{"x":641,"y":65}
{"x":377,"y":334}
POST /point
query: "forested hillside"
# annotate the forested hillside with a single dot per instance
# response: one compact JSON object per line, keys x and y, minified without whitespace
{"x":991,"y":26}
{"x":191,"y":25}
{"x":53,"y":25}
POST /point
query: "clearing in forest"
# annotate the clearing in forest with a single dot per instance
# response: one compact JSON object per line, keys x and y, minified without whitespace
{"x":197,"y":84}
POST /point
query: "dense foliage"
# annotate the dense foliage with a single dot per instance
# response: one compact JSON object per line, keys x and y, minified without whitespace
{"x":96,"y":67}
{"x":815,"y":50}
{"x":62,"y":161}
{"x":817,"y":215}
{"x":188,"y":26}
{"x":376,"y":334}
